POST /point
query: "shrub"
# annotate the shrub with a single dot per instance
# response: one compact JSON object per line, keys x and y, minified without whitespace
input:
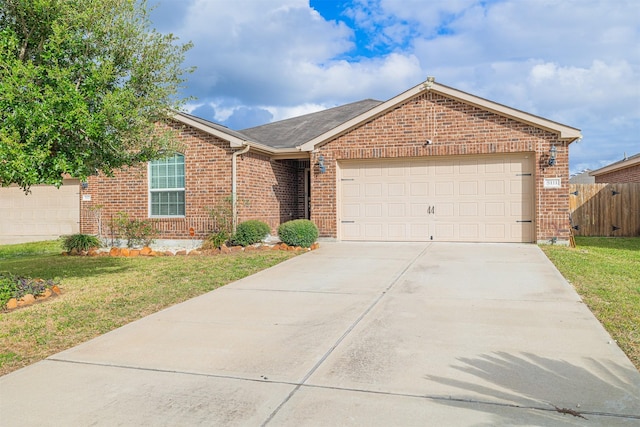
{"x":80,"y":242}
{"x":138,"y":232}
{"x":17,"y":287}
{"x":7,"y":288}
{"x":215,"y":240}
{"x":250,"y":232}
{"x":299,"y":232}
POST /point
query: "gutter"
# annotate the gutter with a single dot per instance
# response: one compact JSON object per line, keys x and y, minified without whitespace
{"x":234,"y":184}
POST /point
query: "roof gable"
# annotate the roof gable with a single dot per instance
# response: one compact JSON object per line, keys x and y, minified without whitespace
{"x":565,"y":132}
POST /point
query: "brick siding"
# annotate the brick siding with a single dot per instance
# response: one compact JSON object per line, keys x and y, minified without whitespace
{"x":267,"y":190}
{"x":456,"y":128}
{"x":621,"y":176}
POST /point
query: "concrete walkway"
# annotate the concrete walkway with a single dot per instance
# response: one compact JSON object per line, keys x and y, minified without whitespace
{"x":351,"y":334}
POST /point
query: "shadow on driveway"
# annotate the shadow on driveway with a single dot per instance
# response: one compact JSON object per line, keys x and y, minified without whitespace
{"x":520,"y":379}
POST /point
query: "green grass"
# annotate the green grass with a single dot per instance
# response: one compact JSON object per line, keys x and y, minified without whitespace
{"x":104,"y":293}
{"x":24,"y":249}
{"x":606,"y":274}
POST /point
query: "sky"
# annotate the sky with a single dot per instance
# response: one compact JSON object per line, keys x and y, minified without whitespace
{"x":576,"y":62}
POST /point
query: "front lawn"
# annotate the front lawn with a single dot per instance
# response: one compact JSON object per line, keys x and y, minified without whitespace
{"x":606,"y":274}
{"x":103,"y":293}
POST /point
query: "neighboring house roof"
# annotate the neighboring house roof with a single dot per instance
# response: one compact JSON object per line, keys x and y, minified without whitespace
{"x":621,"y":164}
{"x":582,"y":178}
{"x":295,"y":131}
{"x":565,"y":132}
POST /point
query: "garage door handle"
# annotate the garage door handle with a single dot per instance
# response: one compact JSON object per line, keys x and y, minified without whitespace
{"x":525,"y":220}
{"x":347,"y":222}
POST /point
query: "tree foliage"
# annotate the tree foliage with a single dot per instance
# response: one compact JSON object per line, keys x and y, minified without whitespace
{"x":82,"y":85}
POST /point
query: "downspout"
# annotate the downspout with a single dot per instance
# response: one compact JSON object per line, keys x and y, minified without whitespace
{"x":234,"y":185}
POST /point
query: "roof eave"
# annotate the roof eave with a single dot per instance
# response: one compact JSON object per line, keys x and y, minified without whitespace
{"x":234,"y":141}
{"x":616,"y":166}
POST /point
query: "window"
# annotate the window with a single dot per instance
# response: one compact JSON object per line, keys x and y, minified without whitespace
{"x":166,"y":186}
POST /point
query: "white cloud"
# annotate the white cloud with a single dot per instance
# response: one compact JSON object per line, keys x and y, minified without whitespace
{"x":574,"y":61}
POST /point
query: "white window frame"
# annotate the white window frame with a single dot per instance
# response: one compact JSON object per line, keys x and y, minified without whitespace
{"x":165,"y":190}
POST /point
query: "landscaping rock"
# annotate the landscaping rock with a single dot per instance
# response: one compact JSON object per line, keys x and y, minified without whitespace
{"x":56,"y":290}
{"x":134,"y":252}
{"x":236,"y":248}
{"x":195,"y":252}
{"x":114,"y":252}
{"x":26,"y":300}
{"x":224,"y":249}
{"x":315,"y":246}
{"x":182,"y":252}
{"x":124,"y":252}
{"x":46,"y":294}
{"x":168,"y":253}
{"x":146,"y":251}
{"x":12,"y":303}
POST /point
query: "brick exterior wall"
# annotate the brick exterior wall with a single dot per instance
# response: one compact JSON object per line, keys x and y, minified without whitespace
{"x":456,"y":128}
{"x":267,"y":190}
{"x":621,"y":176}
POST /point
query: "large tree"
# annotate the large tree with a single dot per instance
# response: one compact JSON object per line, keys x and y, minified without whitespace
{"x":82,"y":83}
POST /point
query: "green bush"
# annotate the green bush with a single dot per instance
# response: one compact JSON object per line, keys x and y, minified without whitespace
{"x":80,"y":242}
{"x":7,"y":288}
{"x":250,"y":232}
{"x":215,"y":240}
{"x":299,"y":232}
{"x":138,"y":232}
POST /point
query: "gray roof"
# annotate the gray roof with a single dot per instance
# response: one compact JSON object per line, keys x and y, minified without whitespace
{"x":214,"y":125}
{"x":582,"y":178}
{"x":296,"y":131}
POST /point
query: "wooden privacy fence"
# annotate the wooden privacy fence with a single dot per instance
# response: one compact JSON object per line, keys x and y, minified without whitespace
{"x":605,"y":209}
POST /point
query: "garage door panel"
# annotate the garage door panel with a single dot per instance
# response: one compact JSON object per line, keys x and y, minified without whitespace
{"x":373,"y":231}
{"x":373,"y":190}
{"x":445,"y":231}
{"x":419,"y":189}
{"x":495,"y":231}
{"x":373,"y":210}
{"x":469,"y":232}
{"x":396,"y":210}
{"x":397,"y":231}
{"x":444,"y":188}
{"x":494,"y":209}
{"x":494,"y":187}
{"x":468,"y":209}
{"x":468,"y":188}
{"x":396,"y":189}
{"x":474,"y":198}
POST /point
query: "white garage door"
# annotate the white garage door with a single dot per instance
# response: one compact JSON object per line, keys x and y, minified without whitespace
{"x":464,"y":198}
{"x":45,"y":213}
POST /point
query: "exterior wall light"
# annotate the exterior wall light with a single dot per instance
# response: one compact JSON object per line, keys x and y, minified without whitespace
{"x":320,"y":164}
{"x":553,"y":152}
{"x":84,"y":185}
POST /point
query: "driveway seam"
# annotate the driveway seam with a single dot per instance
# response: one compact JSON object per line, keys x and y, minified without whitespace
{"x":299,"y":385}
{"x":344,"y":335}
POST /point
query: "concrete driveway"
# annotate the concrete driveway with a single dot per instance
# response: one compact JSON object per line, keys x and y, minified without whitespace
{"x":351,"y":334}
